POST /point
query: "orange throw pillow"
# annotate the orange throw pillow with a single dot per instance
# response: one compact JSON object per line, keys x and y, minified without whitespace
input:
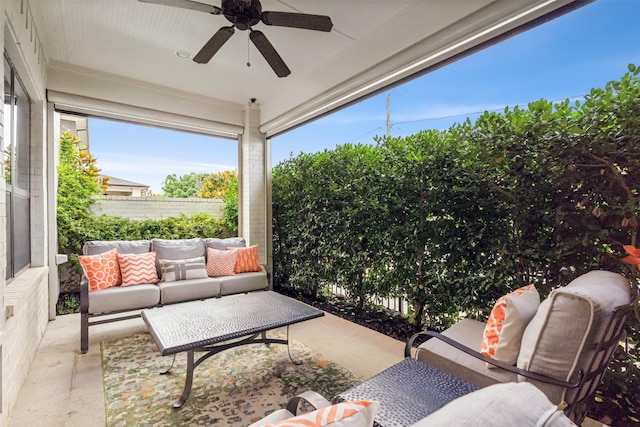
{"x":102,"y":270}
{"x":247,"y":259}
{"x":137,"y":269}
{"x":509,"y":318}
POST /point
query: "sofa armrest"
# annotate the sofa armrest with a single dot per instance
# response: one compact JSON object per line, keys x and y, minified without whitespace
{"x":265,"y":267}
{"x":84,"y":314}
{"x":492,"y":361}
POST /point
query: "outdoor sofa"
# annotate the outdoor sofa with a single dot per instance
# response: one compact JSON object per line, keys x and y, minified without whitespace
{"x":157,"y":272}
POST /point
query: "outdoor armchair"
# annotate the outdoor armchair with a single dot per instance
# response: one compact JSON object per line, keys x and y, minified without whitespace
{"x":564,"y":350}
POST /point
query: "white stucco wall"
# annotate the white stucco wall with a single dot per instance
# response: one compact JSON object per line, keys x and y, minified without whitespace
{"x":139,"y":208}
{"x":24,"y":312}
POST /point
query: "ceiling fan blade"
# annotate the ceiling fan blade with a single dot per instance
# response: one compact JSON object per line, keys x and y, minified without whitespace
{"x":270,"y":55}
{"x":298,"y":20}
{"x":213,"y":45}
{"x":187,"y":4}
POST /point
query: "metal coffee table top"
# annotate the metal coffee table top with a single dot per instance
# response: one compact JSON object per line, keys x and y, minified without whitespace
{"x":191,"y":325}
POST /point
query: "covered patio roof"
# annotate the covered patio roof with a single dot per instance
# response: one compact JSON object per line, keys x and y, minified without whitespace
{"x":119,"y":58}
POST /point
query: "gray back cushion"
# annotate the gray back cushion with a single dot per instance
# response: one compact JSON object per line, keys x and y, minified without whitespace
{"x":124,"y":247}
{"x":562,"y":336}
{"x":223,"y":244}
{"x":177,"y":249}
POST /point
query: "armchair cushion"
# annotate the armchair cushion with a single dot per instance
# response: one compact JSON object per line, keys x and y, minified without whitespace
{"x":499,"y":405}
{"x":567,"y":327}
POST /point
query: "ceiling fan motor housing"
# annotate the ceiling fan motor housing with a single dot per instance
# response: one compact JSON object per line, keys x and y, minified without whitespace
{"x":242,"y":14}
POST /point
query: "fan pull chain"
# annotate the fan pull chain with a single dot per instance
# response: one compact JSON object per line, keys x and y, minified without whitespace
{"x":248,"y":50}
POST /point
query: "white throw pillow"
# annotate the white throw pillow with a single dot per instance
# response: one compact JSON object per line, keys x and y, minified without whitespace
{"x":509,"y":318}
{"x":358,"y":413}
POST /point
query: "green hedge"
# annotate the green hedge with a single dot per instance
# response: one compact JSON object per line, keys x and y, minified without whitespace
{"x":453,"y":219}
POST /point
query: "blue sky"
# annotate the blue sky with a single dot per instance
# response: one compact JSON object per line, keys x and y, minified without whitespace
{"x":564,"y":58}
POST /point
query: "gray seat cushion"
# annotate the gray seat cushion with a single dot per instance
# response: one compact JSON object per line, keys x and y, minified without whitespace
{"x":449,"y":359}
{"x":243,"y":282}
{"x":127,"y":298}
{"x":186,"y":290}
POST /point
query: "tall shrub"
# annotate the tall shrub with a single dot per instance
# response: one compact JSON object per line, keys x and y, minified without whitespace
{"x":77,"y":183}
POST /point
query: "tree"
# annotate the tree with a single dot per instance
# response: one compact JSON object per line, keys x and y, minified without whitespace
{"x":183,"y":186}
{"x":231,"y":204}
{"x":217,"y":185}
{"x":77,"y":183}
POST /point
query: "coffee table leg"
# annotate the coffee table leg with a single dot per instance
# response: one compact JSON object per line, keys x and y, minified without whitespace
{"x":187,"y":383}
{"x":167,"y":370}
{"x":297,"y":362}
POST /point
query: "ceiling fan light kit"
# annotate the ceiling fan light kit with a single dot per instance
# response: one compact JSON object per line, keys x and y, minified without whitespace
{"x":243,"y":15}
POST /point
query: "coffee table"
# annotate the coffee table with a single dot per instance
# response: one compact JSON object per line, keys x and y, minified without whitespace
{"x":218,"y":324}
{"x":408,"y":391}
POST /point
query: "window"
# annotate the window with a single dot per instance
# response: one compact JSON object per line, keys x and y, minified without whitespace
{"x":16,"y":156}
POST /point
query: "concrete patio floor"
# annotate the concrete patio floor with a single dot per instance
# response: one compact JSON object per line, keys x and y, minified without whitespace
{"x":64,"y":387}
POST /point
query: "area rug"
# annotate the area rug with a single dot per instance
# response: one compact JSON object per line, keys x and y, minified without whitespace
{"x":233,"y":388}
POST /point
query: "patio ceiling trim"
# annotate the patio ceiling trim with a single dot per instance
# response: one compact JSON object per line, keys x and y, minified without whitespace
{"x":79,"y":104}
{"x":412,"y":63}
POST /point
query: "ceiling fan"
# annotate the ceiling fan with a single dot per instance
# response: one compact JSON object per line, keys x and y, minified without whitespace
{"x":243,"y":15}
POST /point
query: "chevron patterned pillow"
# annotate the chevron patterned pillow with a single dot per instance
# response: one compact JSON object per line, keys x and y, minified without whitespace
{"x":137,"y":269}
{"x":221,"y":263}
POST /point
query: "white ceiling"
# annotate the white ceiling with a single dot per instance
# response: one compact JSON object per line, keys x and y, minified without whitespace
{"x":371,"y":40}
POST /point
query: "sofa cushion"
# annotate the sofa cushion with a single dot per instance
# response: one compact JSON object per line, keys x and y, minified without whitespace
{"x":221,"y":263}
{"x":137,"y":269}
{"x":186,"y":290}
{"x":243,"y":282}
{"x":122,"y":246}
{"x":223,"y":244}
{"x":499,"y":405}
{"x":563,"y":334}
{"x":507,"y":321}
{"x":102,"y":269}
{"x":176,"y":249}
{"x":183,"y":269}
{"x":247,"y":260}
{"x":127,"y":298}
{"x":456,"y":362}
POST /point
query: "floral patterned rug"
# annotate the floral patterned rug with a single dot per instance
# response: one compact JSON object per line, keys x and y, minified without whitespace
{"x":235,"y":387}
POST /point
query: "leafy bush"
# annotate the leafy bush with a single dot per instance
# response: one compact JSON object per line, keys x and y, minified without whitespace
{"x":453,"y":219}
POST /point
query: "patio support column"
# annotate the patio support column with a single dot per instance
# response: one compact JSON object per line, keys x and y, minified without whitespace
{"x":254,"y":164}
